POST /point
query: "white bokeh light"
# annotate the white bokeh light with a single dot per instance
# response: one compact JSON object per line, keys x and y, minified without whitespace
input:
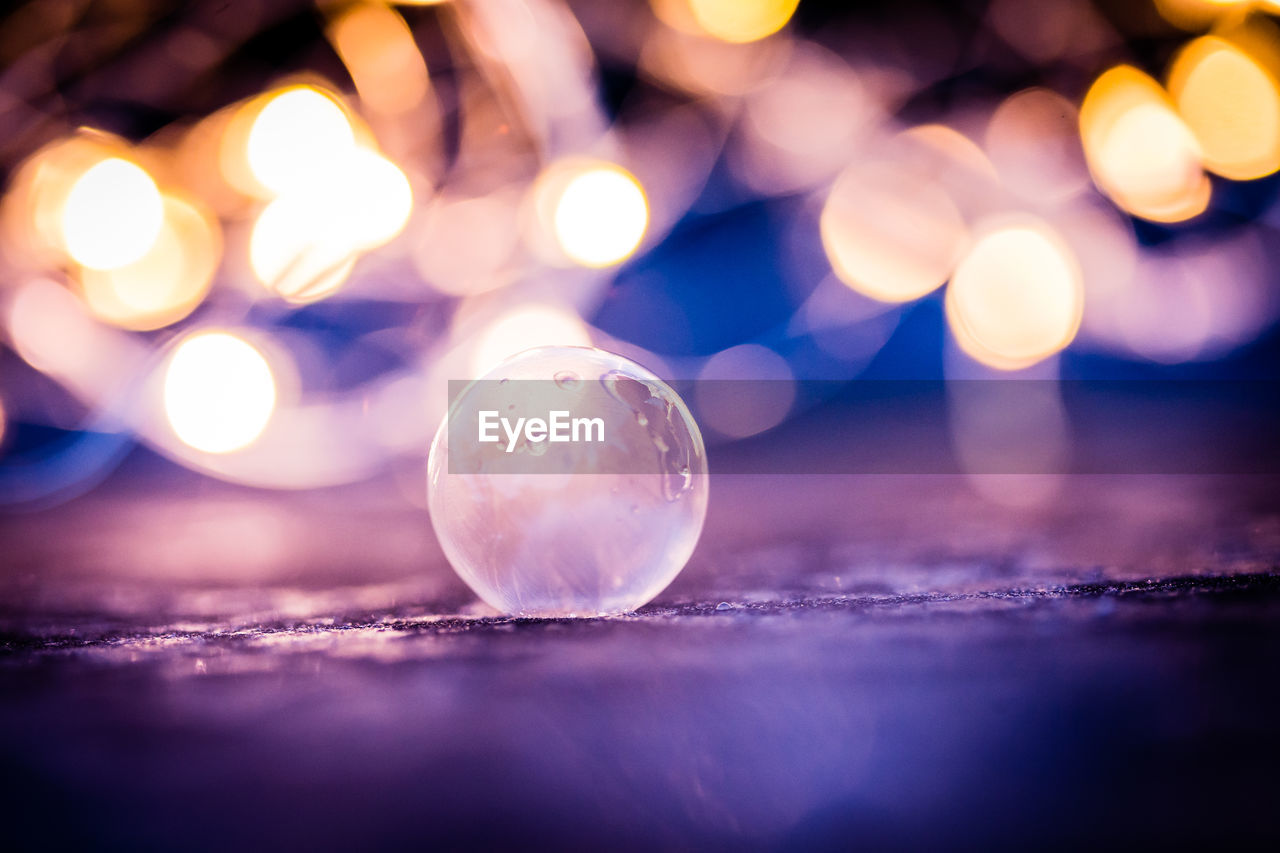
{"x":112,"y":215}
{"x":219,"y":392}
{"x":601,"y":216}
{"x":296,"y":138}
{"x":1016,"y":297}
{"x":523,"y":328}
{"x":304,"y":244}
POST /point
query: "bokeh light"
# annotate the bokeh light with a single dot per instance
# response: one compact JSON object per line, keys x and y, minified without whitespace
{"x":112,"y":215}
{"x":466,"y":246}
{"x":298,"y":249}
{"x":1194,"y":15}
{"x":1232,"y":104}
{"x":219,"y":392}
{"x":1105,"y":244}
{"x":889,"y":233}
{"x":597,"y":211}
{"x":1139,"y":150}
{"x":1186,"y":302}
{"x":943,"y":156}
{"x":51,"y":330}
{"x":250,"y":252}
{"x":166,"y":283}
{"x":37,"y":194}
{"x":744,"y":390}
{"x":682,"y":59}
{"x":462,"y":183}
{"x":1034,"y":143}
{"x":48,"y":329}
{"x":736,"y":21}
{"x":801,"y":124}
{"x":374,"y":196}
{"x":297,"y":135}
{"x":1016,"y":297}
{"x":305,"y":243}
{"x":379,"y":51}
{"x":524,"y":328}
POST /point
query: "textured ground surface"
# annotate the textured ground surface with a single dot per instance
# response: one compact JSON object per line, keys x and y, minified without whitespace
{"x":887,"y":660}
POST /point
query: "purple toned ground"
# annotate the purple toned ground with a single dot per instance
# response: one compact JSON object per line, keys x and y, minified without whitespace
{"x":847,"y":661}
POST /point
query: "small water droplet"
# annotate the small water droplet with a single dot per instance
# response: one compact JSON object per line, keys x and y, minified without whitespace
{"x":566,"y":379}
{"x":641,"y":419}
{"x":724,"y":605}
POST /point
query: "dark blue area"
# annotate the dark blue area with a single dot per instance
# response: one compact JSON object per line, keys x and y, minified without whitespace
{"x":914,"y":351}
{"x":715,"y":282}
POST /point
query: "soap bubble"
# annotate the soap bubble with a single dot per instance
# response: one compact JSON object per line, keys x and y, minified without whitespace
{"x":576,"y":519}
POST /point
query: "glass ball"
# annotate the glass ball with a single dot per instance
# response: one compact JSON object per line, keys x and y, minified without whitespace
{"x":595,"y":525}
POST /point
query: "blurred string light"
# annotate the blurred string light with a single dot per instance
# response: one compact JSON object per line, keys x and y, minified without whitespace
{"x":596,"y":211}
{"x":305,"y":243}
{"x":1034,"y":144}
{"x":891,"y":233}
{"x":378,"y":50}
{"x":299,"y":251}
{"x":1148,"y":148}
{"x":297,"y":135}
{"x":687,"y":61}
{"x":219,"y":392}
{"x":672,"y":184}
{"x":332,"y":198}
{"x":1016,"y":296}
{"x":53,"y":332}
{"x":601,"y":216}
{"x":1140,"y":151}
{"x":801,"y":124}
{"x":947,"y":156}
{"x":112,"y":215}
{"x":36,"y":199}
{"x":515,"y":236}
{"x":141,"y":258}
{"x":547,"y":65}
{"x":1196,"y":15}
{"x":736,"y":21}
{"x":168,"y":281}
{"x":1231,"y":102}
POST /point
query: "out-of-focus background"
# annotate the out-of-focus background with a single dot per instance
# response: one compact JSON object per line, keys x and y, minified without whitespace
{"x":245,"y":246}
{"x":258,"y":240}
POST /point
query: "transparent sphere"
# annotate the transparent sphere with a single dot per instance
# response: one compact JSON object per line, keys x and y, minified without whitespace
{"x":598,"y":521}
